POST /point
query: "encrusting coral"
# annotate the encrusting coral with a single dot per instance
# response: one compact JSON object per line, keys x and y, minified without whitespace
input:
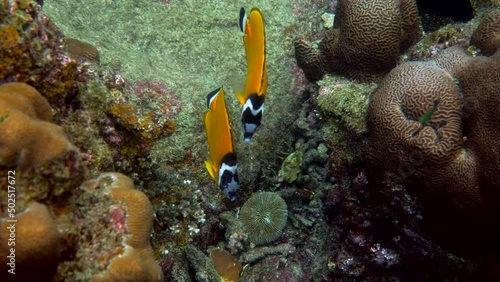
{"x":425,"y":134}
{"x":367,"y":40}
{"x":28,"y":136}
{"x":136,"y":263}
{"x":30,"y":51}
{"x":36,"y":246}
{"x":227,"y":266}
{"x":264,"y":217}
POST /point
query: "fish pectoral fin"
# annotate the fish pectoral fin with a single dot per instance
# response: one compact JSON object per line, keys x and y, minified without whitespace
{"x":210,"y":167}
{"x":237,"y":82}
{"x":241,"y":97}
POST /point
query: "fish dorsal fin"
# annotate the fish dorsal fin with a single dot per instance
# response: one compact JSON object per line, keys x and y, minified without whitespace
{"x":211,"y":96}
{"x":255,"y":49}
{"x":242,"y":20}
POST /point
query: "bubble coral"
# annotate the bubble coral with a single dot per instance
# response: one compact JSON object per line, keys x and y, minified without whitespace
{"x":367,"y":40}
{"x":36,"y":245}
{"x":136,"y":263}
{"x":264,"y":217}
{"x":28,"y":136}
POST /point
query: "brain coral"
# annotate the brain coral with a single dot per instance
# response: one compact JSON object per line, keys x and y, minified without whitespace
{"x":136,"y":263}
{"x":480,"y":83}
{"x":264,"y":216}
{"x":28,"y":136}
{"x":36,"y":245}
{"x":367,"y":41}
{"x":487,"y":36}
{"x":81,"y":51}
{"x":458,"y":140}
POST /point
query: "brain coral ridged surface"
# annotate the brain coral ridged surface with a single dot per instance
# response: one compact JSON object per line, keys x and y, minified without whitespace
{"x":487,"y":35}
{"x":28,"y":136}
{"x":136,"y":263}
{"x":366,"y":43}
{"x":480,"y":82}
{"x":450,"y":157}
{"x":37,"y":250}
{"x":264,"y":216}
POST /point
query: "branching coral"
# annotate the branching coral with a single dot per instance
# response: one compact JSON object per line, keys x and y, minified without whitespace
{"x":367,"y":42}
{"x":29,"y":138}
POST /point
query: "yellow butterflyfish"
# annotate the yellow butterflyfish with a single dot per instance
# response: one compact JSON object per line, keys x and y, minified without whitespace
{"x":253,"y":96}
{"x":222,"y":165}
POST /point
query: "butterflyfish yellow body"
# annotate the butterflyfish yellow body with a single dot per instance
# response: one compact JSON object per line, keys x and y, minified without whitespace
{"x":222,"y":165}
{"x":254,"y":93}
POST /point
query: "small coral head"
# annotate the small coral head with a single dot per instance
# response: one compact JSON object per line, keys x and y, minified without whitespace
{"x":264,"y":216}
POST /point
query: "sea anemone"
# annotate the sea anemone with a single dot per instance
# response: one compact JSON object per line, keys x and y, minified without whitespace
{"x":264,"y":217}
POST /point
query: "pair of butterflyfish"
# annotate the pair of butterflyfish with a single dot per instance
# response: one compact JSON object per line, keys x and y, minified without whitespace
{"x":222,"y":165}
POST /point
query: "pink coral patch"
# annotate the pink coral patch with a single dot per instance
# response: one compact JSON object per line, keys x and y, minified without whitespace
{"x":117,"y":217}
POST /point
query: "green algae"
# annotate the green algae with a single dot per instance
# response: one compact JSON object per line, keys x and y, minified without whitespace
{"x":343,"y":105}
{"x":290,"y":168}
{"x":345,"y":101}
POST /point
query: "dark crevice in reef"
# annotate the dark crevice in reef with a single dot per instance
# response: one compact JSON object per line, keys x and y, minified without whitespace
{"x":437,"y":13}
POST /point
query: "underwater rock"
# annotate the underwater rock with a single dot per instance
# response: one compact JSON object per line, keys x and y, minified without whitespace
{"x":31,"y":52}
{"x":203,"y":266}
